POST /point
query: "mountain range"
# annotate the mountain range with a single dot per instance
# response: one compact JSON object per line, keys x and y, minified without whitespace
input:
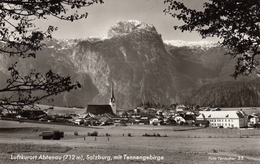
{"x":141,"y":67}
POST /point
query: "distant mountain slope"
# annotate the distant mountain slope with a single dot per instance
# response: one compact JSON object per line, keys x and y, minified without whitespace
{"x":226,"y":94}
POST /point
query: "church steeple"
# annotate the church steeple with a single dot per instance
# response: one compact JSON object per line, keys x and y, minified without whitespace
{"x":112,"y":101}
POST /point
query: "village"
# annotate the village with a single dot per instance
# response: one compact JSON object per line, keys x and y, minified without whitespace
{"x":145,"y":114}
{"x":171,"y":132}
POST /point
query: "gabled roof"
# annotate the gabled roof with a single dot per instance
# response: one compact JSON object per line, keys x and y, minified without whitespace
{"x":179,"y":110}
{"x":84,"y":115}
{"x":49,"y":134}
{"x":99,"y":109}
{"x":111,"y":115}
{"x":104,"y":119}
{"x":221,"y":114}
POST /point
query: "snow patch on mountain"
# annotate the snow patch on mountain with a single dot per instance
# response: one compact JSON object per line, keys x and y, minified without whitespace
{"x":204,"y":44}
{"x":96,"y":38}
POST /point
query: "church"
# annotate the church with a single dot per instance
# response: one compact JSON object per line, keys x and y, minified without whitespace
{"x":104,"y":109}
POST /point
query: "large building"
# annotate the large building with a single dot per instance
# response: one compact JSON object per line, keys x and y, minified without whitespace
{"x":104,"y":108}
{"x":225,"y":119}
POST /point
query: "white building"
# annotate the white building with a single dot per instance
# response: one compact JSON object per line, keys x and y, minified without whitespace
{"x":179,"y":119}
{"x":155,"y":121}
{"x":227,"y":119}
{"x":253,"y":119}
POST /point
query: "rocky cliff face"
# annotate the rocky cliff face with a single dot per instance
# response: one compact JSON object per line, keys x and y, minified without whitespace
{"x":134,"y":58}
{"x":126,"y":27}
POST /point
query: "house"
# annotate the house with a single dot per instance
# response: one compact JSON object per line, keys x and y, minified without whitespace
{"x":91,"y":121}
{"x":33,"y":114}
{"x":253,"y":119}
{"x":155,"y":121}
{"x":179,"y":120}
{"x":225,"y":119}
{"x":55,"y":135}
{"x":159,"y":112}
{"x":204,"y":123}
{"x":79,"y":121}
{"x":144,"y":120}
{"x":189,"y":118}
{"x":106,"y":121}
{"x":47,"y":135}
{"x":180,"y":108}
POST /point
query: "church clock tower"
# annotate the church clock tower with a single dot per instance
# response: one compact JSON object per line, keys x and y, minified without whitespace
{"x":112,"y":101}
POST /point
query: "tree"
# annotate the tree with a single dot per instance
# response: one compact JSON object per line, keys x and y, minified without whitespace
{"x":20,"y":38}
{"x":235,"y":22}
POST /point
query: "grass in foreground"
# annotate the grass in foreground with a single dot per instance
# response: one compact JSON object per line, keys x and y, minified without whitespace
{"x":28,"y":147}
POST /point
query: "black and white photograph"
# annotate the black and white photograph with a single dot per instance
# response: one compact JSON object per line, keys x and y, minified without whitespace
{"x":129,"y":81}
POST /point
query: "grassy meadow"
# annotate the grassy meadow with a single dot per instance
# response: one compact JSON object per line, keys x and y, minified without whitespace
{"x":177,"y":144}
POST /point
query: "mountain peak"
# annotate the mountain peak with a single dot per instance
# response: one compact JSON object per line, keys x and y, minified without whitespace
{"x":126,"y":27}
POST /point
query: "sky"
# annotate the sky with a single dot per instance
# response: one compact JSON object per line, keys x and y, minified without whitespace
{"x":103,"y":16}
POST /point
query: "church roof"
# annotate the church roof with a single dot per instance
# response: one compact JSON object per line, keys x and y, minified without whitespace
{"x":99,"y":109}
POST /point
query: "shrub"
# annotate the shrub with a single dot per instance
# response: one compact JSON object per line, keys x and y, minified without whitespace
{"x":95,"y":133}
{"x":57,"y":135}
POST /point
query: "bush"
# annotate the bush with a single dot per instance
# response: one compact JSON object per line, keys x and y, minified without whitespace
{"x":57,"y":135}
{"x":95,"y":133}
{"x":153,"y":135}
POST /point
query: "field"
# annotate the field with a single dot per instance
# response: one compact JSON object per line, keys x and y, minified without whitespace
{"x":125,"y":144}
{"x":62,"y":110}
